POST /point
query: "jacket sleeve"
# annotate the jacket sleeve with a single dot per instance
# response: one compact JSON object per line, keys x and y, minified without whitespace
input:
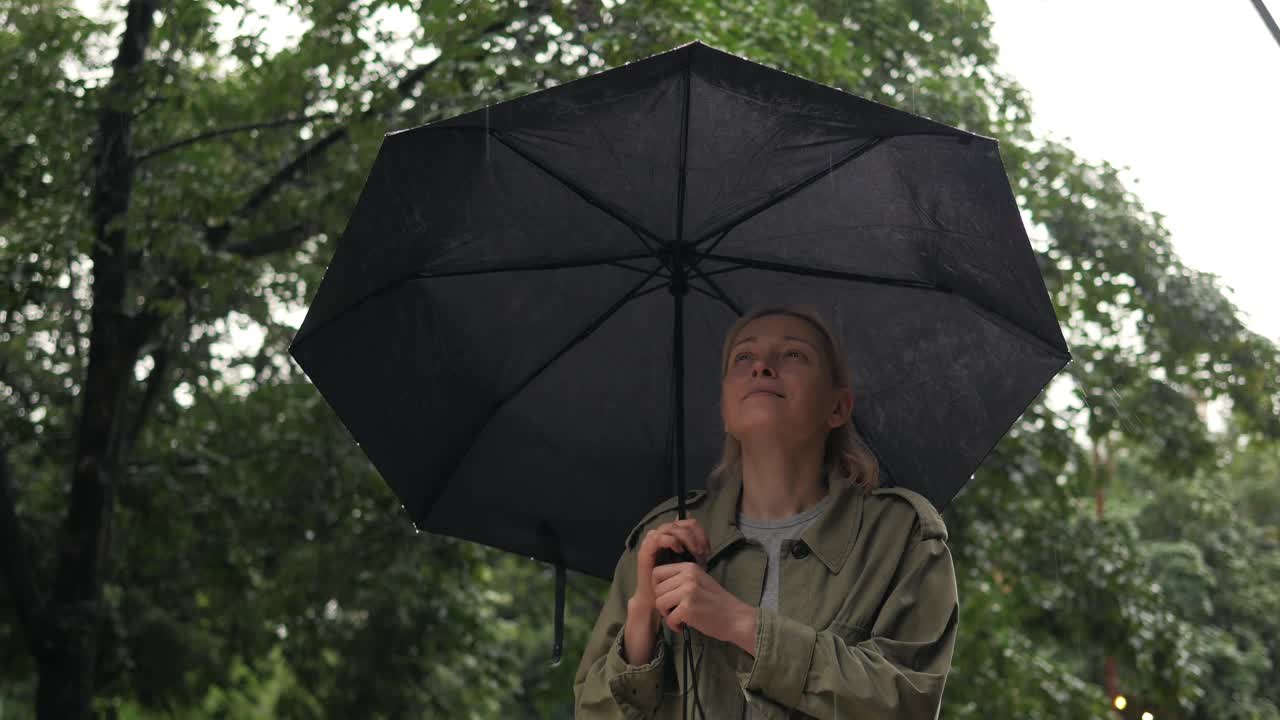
{"x":605,"y":686}
{"x":897,"y":672}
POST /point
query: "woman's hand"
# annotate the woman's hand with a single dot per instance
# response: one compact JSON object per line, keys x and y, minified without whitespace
{"x":677,"y":536}
{"x":686,"y":595}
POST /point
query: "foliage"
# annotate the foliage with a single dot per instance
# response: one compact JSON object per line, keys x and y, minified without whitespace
{"x":261,"y":568}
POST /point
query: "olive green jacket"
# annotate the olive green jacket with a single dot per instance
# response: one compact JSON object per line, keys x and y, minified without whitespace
{"x":866,"y":626}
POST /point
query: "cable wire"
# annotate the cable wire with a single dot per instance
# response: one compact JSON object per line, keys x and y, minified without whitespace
{"x":1268,"y":20}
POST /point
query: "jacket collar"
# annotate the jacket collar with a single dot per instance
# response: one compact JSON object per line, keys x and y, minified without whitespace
{"x":830,"y":537}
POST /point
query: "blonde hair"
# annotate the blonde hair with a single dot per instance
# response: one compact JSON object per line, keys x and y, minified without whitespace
{"x":846,"y":452}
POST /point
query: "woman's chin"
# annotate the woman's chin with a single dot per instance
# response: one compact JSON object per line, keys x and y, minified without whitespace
{"x":761,"y":427}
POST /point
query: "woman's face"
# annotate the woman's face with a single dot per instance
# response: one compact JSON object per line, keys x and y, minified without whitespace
{"x":778,"y":384}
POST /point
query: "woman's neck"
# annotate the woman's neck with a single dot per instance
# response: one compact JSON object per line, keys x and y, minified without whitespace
{"x":777,"y":484}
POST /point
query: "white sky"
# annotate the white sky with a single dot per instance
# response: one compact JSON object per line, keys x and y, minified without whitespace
{"x":1187,"y":95}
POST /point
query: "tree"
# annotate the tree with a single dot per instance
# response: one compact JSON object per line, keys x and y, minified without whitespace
{"x":188,"y":527}
{"x":178,"y":226}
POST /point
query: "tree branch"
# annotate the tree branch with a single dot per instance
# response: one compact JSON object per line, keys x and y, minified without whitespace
{"x":272,"y":241}
{"x":150,"y":103}
{"x":285,"y":175}
{"x":17,"y":563}
{"x":217,"y":235}
{"x":221,"y":132}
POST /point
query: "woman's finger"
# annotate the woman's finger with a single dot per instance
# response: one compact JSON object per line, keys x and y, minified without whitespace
{"x":685,"y":538}
{"x":675,"y":619}
{"x":698,"y":534}
{"x":666,"y":598}
{"x":673,"y":543}
{"x":668,"y":542}
{"x":697,"y":544}
{"x":667,"y":578}
{"x":659,"y":539}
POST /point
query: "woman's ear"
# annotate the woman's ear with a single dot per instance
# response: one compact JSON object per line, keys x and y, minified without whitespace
{"x":843,"y":407}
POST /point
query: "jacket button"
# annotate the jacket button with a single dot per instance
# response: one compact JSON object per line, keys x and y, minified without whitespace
{"x":799,"y":550}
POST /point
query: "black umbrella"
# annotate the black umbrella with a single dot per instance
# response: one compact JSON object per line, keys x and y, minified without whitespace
{"x":529,"y":298}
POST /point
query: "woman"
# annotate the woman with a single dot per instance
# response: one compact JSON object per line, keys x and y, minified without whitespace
{"x":815,"y":594}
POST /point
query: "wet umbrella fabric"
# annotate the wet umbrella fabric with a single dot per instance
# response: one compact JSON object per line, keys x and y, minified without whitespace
{"x":528,"y":298}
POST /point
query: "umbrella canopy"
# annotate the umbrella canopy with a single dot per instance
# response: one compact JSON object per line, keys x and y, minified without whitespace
{"x":529,"y":297}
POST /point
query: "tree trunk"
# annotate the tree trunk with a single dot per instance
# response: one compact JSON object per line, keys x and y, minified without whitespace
{"x":69,"y":638}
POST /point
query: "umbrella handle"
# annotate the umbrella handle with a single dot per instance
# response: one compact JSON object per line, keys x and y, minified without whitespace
{"x":666,"y":556}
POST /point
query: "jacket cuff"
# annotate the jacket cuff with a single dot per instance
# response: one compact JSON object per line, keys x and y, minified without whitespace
{"x":784,"y":654}
{"x":636,"y":688}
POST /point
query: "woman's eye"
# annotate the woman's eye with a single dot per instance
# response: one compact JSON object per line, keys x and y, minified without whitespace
{"x":789,"y":353}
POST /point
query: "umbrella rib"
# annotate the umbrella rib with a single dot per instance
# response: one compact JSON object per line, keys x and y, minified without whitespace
{"x":819,"y":272}
{"x":728,"y":225}
{"x":1011,"y":327}
{"x":721,"y":297}
{"x":423,"y":275}
{"x":714,"y":297}
{"x":690,"y":286}
{"x":635,"y":269}
{"x":582,"y":335}
{"x":723,"y":235}
{"x":640,"y":232}
{"x":722,"y":270}
{"x":989,"y":314}
{"x":640,"y":236}
{"x":682,"y":172}
{"x":426,"y":275}
{"x":719,"y":292}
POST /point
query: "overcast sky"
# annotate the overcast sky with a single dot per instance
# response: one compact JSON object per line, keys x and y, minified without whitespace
{"x":1187,"y":94}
